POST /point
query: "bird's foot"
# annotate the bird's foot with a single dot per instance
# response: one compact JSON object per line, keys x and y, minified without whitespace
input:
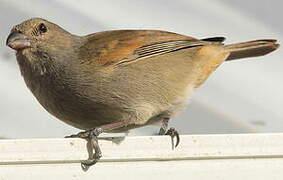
{"x":86,"y":134}
{"x":172,"y":132}
{"x":90,"y":135}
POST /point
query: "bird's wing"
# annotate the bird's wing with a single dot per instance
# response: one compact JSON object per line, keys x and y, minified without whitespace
{"x":122,"y":46}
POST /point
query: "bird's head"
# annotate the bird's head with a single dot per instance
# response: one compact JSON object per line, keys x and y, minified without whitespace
{"x":39,"y":34}
{"x":40,"y":43}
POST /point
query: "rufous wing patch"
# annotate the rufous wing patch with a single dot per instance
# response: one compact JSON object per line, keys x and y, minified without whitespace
{"x":113,"y":46}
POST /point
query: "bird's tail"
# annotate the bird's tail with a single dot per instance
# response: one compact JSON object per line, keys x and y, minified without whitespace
{"x":251,"y":48}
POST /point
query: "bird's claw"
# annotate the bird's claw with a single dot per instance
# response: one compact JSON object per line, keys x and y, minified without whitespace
{"x":172,"y":132}
{"x":91,"y":135}
{"x":92,"y":161}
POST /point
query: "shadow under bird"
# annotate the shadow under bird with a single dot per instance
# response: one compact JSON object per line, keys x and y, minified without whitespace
{"x":114,"y":81}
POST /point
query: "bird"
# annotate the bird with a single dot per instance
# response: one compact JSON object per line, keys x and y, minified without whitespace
{"x":117,"y":80}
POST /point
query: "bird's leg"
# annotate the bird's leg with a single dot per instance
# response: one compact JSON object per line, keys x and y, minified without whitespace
{"x":92,"y":135}
{"x":164,"y":126}
{"x":172,"y":132}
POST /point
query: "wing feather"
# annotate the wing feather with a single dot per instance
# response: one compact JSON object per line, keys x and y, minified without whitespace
{"x":120,"y":46}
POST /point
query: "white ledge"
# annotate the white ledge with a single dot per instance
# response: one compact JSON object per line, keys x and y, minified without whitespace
{"x":145,"y":151}
{"x":142,"y":148}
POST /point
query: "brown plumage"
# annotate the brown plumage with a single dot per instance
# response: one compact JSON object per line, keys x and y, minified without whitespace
{"x":117,"y":80}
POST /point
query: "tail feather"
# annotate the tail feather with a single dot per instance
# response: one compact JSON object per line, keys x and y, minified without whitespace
{"x":251,"y":48}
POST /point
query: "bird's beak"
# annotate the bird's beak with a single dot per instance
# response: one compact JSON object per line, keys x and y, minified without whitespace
{"x":17,"y":41}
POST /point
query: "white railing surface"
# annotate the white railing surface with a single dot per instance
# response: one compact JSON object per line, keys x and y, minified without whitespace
{"x":231,"y":157}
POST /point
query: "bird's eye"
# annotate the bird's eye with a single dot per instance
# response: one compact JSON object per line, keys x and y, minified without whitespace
{"x":42,"y":28}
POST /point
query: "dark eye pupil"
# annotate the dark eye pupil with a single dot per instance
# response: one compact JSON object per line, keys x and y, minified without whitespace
{"x":42,"y":28}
